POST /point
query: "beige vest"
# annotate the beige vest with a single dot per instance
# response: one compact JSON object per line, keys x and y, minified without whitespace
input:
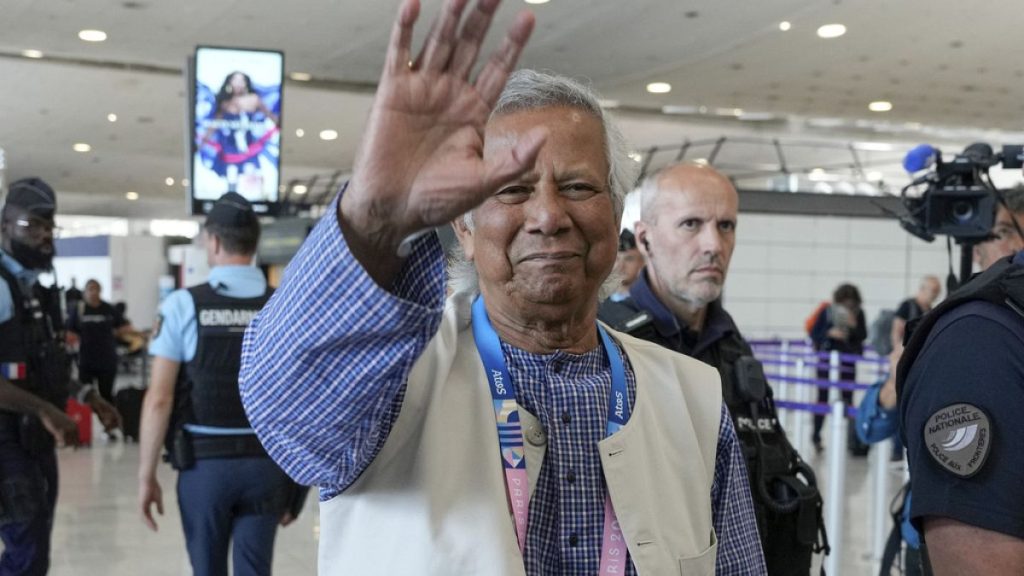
{"x":433,"y":502}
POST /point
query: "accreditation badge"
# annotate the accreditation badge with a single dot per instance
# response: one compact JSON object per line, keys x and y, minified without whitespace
{"x":959,"y":438}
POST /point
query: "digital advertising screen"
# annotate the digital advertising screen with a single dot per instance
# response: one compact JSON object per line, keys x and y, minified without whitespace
{"x":236,"y":126}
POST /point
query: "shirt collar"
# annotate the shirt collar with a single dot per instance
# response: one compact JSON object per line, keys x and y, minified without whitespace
{"x":24,"y":275}
{"x":225,"y":275}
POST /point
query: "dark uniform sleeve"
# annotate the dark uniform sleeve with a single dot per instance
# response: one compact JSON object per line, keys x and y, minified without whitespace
{"x":963,"y":420}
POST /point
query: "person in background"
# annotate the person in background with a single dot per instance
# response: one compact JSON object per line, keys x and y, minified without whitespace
{"x":687,"y":231}
{"x":839,"y":327}
{"x":230,"y":494}
{"x":97,"y":325}
{"x":35,"y":383}
{"x":628,"y":263}
{"x":913,"y":308}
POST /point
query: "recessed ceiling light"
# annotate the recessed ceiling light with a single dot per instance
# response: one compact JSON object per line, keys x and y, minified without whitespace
{"x":880,"y":106}
{"x":81,"y":147}
{"x":301,"y":76}
{"x":677,"y":109}
{"x":184,"y":182}
{"x":111,"y":117}
{"x":131,"y":195}
{"x":874,"y":146}
{"x":831,"y":31}
{"x":31,"y":53}
{"x":300,"y":133}
{"x":701,"y":161}
{"x":635,"y":156}
{"x":169,"y":181}
{"x":603,"y":103}
{"x":537,"y":1}
{"x":92,"y":35}
{"x":785,"y":26}
{"x":299,"y":189}
{"x":328,"y":134}
{"x":874,"y":175}
{"x":659,"y":87}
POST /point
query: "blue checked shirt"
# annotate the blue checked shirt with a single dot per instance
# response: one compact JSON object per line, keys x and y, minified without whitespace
{"x":330,"y":318}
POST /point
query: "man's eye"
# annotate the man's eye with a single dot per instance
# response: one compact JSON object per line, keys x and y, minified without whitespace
{"x":727,"y":226}
{"x":513,"y":194}
{"x":579,"y":190}
{"x":690,"y":224}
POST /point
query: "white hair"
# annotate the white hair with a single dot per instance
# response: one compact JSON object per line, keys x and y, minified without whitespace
{"x":531,"y":90}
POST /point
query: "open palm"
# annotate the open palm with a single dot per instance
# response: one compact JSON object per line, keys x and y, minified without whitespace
{"x":421,"y":161}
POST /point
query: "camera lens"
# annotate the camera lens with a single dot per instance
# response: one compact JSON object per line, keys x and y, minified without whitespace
{"x":962,"y":212}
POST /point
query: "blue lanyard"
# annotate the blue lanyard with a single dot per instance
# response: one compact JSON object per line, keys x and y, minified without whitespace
{"x":502,"y":387}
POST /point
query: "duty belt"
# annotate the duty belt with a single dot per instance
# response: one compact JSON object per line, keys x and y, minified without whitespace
{"x":227,"y":447}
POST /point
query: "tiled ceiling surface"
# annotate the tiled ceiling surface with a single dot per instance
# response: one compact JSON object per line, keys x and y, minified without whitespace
{"x":942,"y":64}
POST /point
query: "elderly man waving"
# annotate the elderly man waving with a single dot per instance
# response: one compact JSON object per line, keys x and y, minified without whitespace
{"x":502,"y":431}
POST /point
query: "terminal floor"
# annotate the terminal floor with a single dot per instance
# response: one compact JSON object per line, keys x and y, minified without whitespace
{"x":98,"y":530}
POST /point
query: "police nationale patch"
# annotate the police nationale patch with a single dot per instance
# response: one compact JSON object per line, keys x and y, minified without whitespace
{"x":959,"y":438}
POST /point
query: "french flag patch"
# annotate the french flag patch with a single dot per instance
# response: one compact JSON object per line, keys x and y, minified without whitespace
{"x":14,"y":370}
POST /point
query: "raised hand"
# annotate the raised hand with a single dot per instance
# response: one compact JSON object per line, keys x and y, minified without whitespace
{"x":421,"y":160}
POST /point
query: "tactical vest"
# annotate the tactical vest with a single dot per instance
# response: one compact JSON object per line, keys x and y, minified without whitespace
{"x":31,"y":352}
{"x":787,"y":503}
{"x":212,"y":375}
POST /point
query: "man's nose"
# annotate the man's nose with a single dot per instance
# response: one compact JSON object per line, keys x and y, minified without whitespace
{"x":545,"y":211}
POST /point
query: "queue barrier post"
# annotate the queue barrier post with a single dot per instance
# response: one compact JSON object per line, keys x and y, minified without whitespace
{"x":799,"y":420}
{"x":833,"y":376}
{"x":835,"y":498}
{"x":878,"y":520}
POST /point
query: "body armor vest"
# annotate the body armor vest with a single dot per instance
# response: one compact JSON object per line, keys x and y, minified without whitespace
{"x":212,"y":375}
{"x":31,"y":339}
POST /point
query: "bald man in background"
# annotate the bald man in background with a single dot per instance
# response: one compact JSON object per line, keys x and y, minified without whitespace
{"x":687,"y":233}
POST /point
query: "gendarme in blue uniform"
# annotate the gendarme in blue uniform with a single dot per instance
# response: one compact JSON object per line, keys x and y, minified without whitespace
{"x":230,"y":493}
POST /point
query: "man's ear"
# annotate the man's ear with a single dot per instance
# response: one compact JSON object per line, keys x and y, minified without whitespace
{"x":640,"y":232}
{"x":464,"y":234}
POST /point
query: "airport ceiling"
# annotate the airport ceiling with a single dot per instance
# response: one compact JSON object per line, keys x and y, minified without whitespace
{"x":941,"y":63}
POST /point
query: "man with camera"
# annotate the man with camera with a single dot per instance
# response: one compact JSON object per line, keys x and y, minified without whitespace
{"x":687,"y":232}
{"x":960,"y":384}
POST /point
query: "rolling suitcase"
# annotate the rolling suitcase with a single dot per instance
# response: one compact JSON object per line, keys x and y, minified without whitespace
{"x":129,"y":403}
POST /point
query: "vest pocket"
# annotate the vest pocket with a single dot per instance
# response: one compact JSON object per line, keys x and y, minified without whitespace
{"x":702,"y":564}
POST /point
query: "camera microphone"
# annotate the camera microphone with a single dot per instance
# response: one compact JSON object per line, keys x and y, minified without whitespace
{"x":919,"y":158}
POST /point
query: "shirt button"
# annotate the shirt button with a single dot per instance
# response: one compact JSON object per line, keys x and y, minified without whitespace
{"x":573,"y":540}
{"x":570,"y":477}
{"x":566,"y":418}
{"x":556,"y":366}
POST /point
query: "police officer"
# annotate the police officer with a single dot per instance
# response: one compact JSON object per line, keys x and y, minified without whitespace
{"x":961,"y":391}
{"x":229,"y":491}
{"x":34,"y":381}
{"x":687,"y":233}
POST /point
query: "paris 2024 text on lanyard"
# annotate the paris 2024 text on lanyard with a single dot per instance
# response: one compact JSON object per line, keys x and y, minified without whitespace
{"x":510,"y":434}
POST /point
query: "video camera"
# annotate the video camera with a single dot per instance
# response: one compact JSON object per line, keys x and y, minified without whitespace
{"x":960,"y":199}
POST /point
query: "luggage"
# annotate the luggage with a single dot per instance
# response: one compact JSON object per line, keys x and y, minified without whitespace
{"x":129,"y":404}
{"x":82,"y":415}
{"x":857,"y":448}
